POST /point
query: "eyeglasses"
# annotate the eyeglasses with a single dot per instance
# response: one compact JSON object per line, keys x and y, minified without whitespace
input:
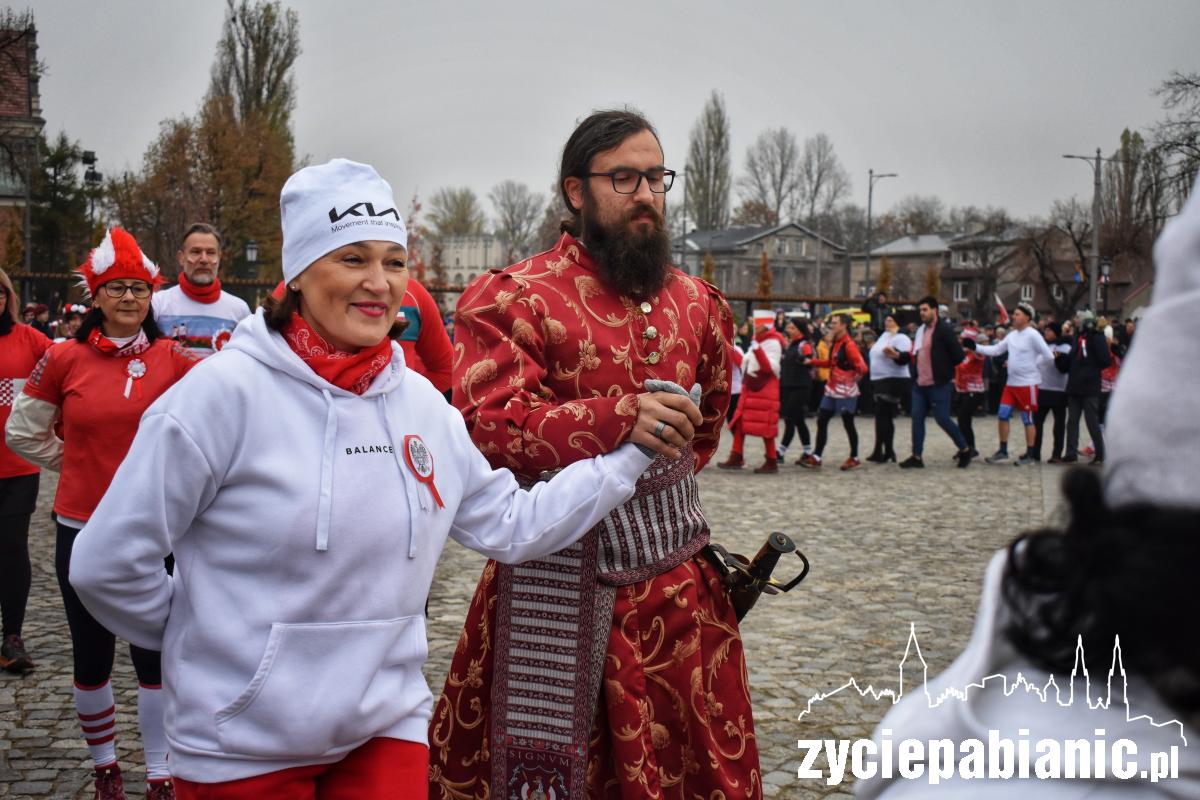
{"x":627,"y":181}
{"x":117,"y":290}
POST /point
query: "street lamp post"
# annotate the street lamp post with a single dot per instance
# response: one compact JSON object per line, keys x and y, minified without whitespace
{"x":252,"y":259}
{"x":91,"y":179}
{"x":1094,"y":266}
{"x":871,"y":178}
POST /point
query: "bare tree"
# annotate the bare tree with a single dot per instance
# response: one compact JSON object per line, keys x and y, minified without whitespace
{"x":518,"y":212}
{"x":1051,"y":255}
{"x":455,"y":212}
{"x":708,"y":166}
{"x":1177,"y":135}
{"x":259,"y":45}
{"x":918,"y":214}
{"x":754,"y":213}
{"x":1136,"y":202}
{"x":772,"y":176}
{"x":824,"y":182}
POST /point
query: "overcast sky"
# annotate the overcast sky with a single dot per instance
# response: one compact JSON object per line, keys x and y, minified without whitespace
{"x":974,"y":102}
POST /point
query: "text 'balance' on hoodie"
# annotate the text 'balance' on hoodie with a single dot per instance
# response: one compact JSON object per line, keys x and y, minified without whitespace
{"x":305,"y":543}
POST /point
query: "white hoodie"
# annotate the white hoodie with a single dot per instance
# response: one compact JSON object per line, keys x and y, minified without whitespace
{"x":293,"y":630}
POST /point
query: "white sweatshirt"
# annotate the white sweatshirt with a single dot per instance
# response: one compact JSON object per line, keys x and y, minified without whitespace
{"x":203,"y":327}
{"x":1051,"y":379}
{"x":293,"y":629}
{"x":1026,"y":348}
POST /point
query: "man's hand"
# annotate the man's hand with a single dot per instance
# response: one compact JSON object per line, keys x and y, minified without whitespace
{"x":890,"y":352}
{"x":680,"y":418}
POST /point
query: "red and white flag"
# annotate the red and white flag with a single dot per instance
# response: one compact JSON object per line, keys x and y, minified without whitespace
{"x":1002,"y":315}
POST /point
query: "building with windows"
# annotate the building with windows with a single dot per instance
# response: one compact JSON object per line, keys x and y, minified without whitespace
{"x":802,"y":262}
{"x":21,"y":124}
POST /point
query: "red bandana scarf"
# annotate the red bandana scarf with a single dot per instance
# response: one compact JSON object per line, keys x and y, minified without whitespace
{"x":201,"y":294}
{"x":350,"y":371}
{"x":136,"y":346}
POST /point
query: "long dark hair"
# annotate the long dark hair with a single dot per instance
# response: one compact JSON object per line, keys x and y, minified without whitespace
{"x":94,"y":318}
{"x":1130,"y":572}
{"x":602,"y":130}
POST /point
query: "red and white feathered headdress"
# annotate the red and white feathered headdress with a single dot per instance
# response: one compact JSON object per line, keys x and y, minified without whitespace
{"x":118,"y":256}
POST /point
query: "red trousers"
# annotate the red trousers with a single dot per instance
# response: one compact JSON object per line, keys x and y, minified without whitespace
{"x":381,"y":768}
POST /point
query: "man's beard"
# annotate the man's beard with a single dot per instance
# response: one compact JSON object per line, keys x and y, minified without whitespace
{"x":202,"y":278}
{"x":634,"y":262}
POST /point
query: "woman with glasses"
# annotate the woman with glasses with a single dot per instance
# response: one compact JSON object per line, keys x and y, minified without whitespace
{"x":20,"y":348}
{"x":78,"y":414}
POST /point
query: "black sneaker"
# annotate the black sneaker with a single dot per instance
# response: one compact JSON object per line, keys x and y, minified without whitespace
{"x":13,"y":657}
{"x":912,"y":462}
{"x":963,"y":457}
{"x":998,"y":457}
{"x":1024,"y":460}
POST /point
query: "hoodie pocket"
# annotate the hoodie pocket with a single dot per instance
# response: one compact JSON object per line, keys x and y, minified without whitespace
{"x":321,"y":687}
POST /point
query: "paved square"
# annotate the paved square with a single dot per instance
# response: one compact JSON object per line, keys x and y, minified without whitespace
{"x":889,"y":547}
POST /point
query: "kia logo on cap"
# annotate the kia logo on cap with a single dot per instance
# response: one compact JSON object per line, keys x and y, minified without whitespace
{"x":353,"y":211}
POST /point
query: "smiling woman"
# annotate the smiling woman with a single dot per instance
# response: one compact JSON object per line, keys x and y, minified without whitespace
{"x":294,"y":656}
{"x":78,"y":414}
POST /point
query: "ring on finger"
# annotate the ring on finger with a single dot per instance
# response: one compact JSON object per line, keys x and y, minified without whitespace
{"x":659,"y":428}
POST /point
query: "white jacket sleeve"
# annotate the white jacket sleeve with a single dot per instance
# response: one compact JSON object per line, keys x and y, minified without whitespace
{"x":997,"y":349}
{"x":30,"y":432}
{"x":504,"y":522}
{"x":774,"y":353}
{"x":117,"y":562}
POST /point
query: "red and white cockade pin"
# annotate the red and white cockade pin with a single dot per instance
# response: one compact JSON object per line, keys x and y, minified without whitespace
{"x":420,"y":461}
{"x":135,"y":369}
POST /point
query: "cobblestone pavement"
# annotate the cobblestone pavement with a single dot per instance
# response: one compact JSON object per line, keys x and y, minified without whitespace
{"x":889,"y":547}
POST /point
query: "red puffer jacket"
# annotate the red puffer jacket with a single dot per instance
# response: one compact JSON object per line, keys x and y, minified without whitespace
{"x":758,"y":410}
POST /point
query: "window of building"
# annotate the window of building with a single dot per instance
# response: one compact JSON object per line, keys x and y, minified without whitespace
{"x":1026,"y":292}
{"x":804,"y":247}
{"x":961,"y":291}
{"x":964,"y":258}
{"x":1056,"y":291}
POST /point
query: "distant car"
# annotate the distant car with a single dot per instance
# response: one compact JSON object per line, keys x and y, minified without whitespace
{"x":859,"y":316}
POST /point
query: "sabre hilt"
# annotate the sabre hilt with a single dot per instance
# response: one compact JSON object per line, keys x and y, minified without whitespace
{"x":746,"y":580}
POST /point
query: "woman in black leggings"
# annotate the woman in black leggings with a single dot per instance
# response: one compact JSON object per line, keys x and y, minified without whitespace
{"x":889,"y":383}
{"x":78,"y":414}
{"x":795,"y":384}
{"x":20,"y":348}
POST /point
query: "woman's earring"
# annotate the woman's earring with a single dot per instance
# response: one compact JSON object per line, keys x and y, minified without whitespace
{"x":293,"y":287}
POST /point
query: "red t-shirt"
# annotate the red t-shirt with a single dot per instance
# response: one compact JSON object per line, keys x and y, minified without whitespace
{"x":98,"y":420}
{"x":968,"y":376}
{"x":19,"y":352}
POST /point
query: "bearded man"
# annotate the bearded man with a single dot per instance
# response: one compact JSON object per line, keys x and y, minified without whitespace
{"x":614,"y":668}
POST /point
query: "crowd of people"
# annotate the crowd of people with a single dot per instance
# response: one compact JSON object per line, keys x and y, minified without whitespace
{"x":786,"y":367}
{"x":256,"y":501}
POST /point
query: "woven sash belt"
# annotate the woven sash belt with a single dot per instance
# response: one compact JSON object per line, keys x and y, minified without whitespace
{"x":553,"y":620}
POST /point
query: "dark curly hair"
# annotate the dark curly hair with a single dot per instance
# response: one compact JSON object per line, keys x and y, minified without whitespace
{"x":1128,"y":572}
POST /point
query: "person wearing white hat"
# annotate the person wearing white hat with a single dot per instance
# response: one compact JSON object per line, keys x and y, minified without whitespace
{"x":1122,"y":572}
{"x":758,"y":410}
{"x":306,"y":535}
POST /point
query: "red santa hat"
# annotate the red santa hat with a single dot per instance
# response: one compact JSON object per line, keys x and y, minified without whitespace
{"x":118,"y":256}
{"x":763,"y":316}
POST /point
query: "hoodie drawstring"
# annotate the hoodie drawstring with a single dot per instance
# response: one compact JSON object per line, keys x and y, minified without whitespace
{"x":325,"y":499}
{"x":415,"y":498}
